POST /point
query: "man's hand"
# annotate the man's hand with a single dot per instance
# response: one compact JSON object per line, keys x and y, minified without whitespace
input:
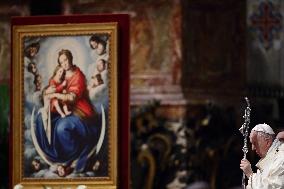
{"x":246,"y":167}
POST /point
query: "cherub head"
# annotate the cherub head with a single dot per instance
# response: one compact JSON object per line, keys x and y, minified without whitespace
{"x":36,"y":165}
{"x":96,"y":80}
{"x":101,"y":65}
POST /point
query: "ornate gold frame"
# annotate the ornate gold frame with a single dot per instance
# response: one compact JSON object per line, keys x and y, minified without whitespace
{"x":17,"y":118}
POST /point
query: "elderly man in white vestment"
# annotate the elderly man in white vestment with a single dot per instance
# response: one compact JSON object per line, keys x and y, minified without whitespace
{"x":270,"y":172}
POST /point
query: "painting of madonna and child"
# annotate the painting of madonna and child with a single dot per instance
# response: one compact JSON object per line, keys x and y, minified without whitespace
{"x":66,"y":106}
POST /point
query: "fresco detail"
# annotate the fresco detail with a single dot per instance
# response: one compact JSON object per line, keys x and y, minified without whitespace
{"x":155,"y":38}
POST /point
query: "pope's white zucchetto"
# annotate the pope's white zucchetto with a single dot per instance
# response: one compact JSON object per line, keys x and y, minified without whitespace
{"x":263,"y":128}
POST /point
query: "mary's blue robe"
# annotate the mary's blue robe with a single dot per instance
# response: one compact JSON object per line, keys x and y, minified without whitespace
{"x":72,"y":140}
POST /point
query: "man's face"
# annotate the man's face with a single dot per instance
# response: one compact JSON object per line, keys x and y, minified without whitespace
{"x":259,"y":144}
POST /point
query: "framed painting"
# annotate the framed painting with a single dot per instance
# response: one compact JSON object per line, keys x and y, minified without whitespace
{"x":70,"y":102}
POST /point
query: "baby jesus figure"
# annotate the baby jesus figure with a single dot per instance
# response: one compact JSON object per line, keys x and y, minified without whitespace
{"x":57,"y":84}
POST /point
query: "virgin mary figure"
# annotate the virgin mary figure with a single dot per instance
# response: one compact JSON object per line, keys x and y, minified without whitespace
{"x":72,"y":139}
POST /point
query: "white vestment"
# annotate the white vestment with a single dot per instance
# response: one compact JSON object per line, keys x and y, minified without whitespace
{"x":270,"y":173}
